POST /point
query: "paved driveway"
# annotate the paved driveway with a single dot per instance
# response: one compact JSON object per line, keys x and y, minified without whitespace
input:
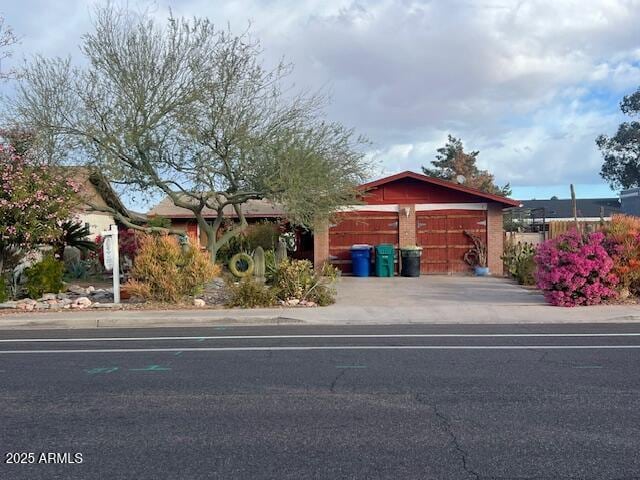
{"x":434,"y":291}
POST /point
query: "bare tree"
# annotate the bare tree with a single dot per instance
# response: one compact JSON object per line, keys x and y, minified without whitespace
{"x":189,"y":111}
{"x":7,"y":40}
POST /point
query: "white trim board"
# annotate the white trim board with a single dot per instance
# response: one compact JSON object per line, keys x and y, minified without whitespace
{"x":419,"y":207}
{"x":426,"y":207}
{"x":370,"y":208}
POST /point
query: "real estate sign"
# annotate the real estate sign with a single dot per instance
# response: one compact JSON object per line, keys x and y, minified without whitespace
{"x":112,"y":258}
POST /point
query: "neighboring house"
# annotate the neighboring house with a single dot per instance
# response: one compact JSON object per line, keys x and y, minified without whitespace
{"x":96,"y":192}
{"x":183,"y":219}
{"x":403,"y":209}
{"x":588,"y":209}
{"x":630,"y":201}
{"x":413,"y":209}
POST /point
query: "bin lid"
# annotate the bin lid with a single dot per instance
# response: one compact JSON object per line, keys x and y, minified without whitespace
{"x":411,"y":248}
{"x":385,"y":248}
{"x":360,"y":246}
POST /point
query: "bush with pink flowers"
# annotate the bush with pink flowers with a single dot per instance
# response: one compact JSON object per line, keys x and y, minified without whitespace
{"x":575,"y":269}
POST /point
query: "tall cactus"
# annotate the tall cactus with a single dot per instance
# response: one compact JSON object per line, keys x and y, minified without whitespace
{"x":259,"y":263}
{"x":281,"y":252}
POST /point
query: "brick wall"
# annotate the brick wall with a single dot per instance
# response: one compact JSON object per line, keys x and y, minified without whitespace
{"x":495,"y":238}
{"x":407,"y":225}
{"x":320,"y":244}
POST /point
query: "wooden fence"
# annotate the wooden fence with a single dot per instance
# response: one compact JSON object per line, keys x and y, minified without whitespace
{"x":558,"y":227}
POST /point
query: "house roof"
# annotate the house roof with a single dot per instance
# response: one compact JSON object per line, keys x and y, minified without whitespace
{"x":586,"y":207}
{"x":97,"y":193}
{"x":250,"y":209}
{"x":507,"y":202}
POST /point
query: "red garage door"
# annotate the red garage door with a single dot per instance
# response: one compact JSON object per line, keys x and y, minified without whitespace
{"x":441,"y":235}
{"x":350,"y":228}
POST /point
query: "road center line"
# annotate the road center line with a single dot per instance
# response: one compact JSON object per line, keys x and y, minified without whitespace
{"x":325,"y":347}
{"x":284,"y":337}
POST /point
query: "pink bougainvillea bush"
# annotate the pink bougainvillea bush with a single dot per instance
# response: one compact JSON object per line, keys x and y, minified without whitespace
{"x":575,"y":269}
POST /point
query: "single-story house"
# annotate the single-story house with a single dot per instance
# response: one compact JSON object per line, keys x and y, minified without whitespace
{"x":403,"y":209}
{"x":96,"y":193}
{"x":183,"y":219}
{"x":413,"y":209}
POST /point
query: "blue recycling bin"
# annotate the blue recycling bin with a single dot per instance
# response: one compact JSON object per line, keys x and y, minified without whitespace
{"x":360,"y":259}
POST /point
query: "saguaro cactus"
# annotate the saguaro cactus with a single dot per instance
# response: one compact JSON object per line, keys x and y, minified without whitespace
{"x":259,"y":263}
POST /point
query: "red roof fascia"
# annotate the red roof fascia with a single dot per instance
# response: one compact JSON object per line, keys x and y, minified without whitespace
{"x":443,"y":183}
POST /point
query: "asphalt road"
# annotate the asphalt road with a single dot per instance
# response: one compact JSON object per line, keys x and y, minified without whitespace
{"x":416,"y":401}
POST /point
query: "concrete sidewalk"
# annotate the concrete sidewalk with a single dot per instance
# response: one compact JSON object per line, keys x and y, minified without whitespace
{"x":360,"y":301}
{"x":333,"y":315}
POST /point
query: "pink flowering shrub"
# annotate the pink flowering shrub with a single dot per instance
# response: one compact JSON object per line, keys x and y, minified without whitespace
{"x":575,"y":269}
{"x":35,"y":199}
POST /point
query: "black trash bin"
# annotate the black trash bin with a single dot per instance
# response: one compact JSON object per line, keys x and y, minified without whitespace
{"x":410,"y":261}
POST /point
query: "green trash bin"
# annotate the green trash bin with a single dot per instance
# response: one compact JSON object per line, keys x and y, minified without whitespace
{"x":385,"y":258}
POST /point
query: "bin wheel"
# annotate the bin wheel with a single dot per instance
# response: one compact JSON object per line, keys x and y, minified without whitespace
{"x":241,"y":265}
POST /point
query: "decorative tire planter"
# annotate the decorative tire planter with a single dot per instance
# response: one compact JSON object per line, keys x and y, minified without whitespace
{"x":241,"y":265}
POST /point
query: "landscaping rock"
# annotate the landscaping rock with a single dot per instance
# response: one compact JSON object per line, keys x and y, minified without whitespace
{"x":292,"y":302}
{"x":8,"y":305}
{"x":47,"y":297}
{"x":198,"y":302}
{"x":62,"y":296}
{"x":41,"y":306}
{"x":103,"y":305}
{"x":102,"y":297}
{"x":77,"y":290}
{"x":90,"y":289}
{"x":216,"y":292}
{"x":81,"y":302}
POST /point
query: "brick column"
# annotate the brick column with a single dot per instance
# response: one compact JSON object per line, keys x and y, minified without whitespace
{"x":320,"y":244}
{"x":495,"y":238}
{"x":407,"y":225}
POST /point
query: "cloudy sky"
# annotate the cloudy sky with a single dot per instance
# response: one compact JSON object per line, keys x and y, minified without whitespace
{"x":528,"y":83}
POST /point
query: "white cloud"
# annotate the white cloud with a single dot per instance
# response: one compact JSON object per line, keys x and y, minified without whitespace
{"x":530,"y":84}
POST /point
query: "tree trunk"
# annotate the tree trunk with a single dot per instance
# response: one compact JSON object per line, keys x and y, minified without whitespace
{"x":212,"y":247}
{"x":213,"y":242}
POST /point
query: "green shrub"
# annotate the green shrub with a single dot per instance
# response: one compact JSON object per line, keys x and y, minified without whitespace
{"x":263,"y":234}
{"x":249,"y":293}
{"x":519,"y":261}
{"x":269,"y":264}
{"x":4,"y":290}
{"x":45,"y":277}
{"x":297,"y":279}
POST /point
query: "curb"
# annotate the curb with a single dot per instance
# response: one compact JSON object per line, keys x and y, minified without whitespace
{"x":149,"y":322}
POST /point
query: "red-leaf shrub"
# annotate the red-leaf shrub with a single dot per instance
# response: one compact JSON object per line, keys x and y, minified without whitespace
{"x":575,"y":269}
{"x":623,"y":244}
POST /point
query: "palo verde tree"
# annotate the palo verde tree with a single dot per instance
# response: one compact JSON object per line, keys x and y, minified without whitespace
{"x":452,"y":161}
{"x":189,"y":111}
{"x":7,"y":40}
{"x":621,"y":152}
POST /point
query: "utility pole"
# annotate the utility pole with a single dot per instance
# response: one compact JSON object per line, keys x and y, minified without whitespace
{"x":574,"y":206}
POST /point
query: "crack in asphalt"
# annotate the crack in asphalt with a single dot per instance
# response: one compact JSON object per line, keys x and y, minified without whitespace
{"x":332,"y":387}
{"x":454,"y":439}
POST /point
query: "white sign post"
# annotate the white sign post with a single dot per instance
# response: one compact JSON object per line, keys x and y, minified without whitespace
{"x":112,"y":258}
